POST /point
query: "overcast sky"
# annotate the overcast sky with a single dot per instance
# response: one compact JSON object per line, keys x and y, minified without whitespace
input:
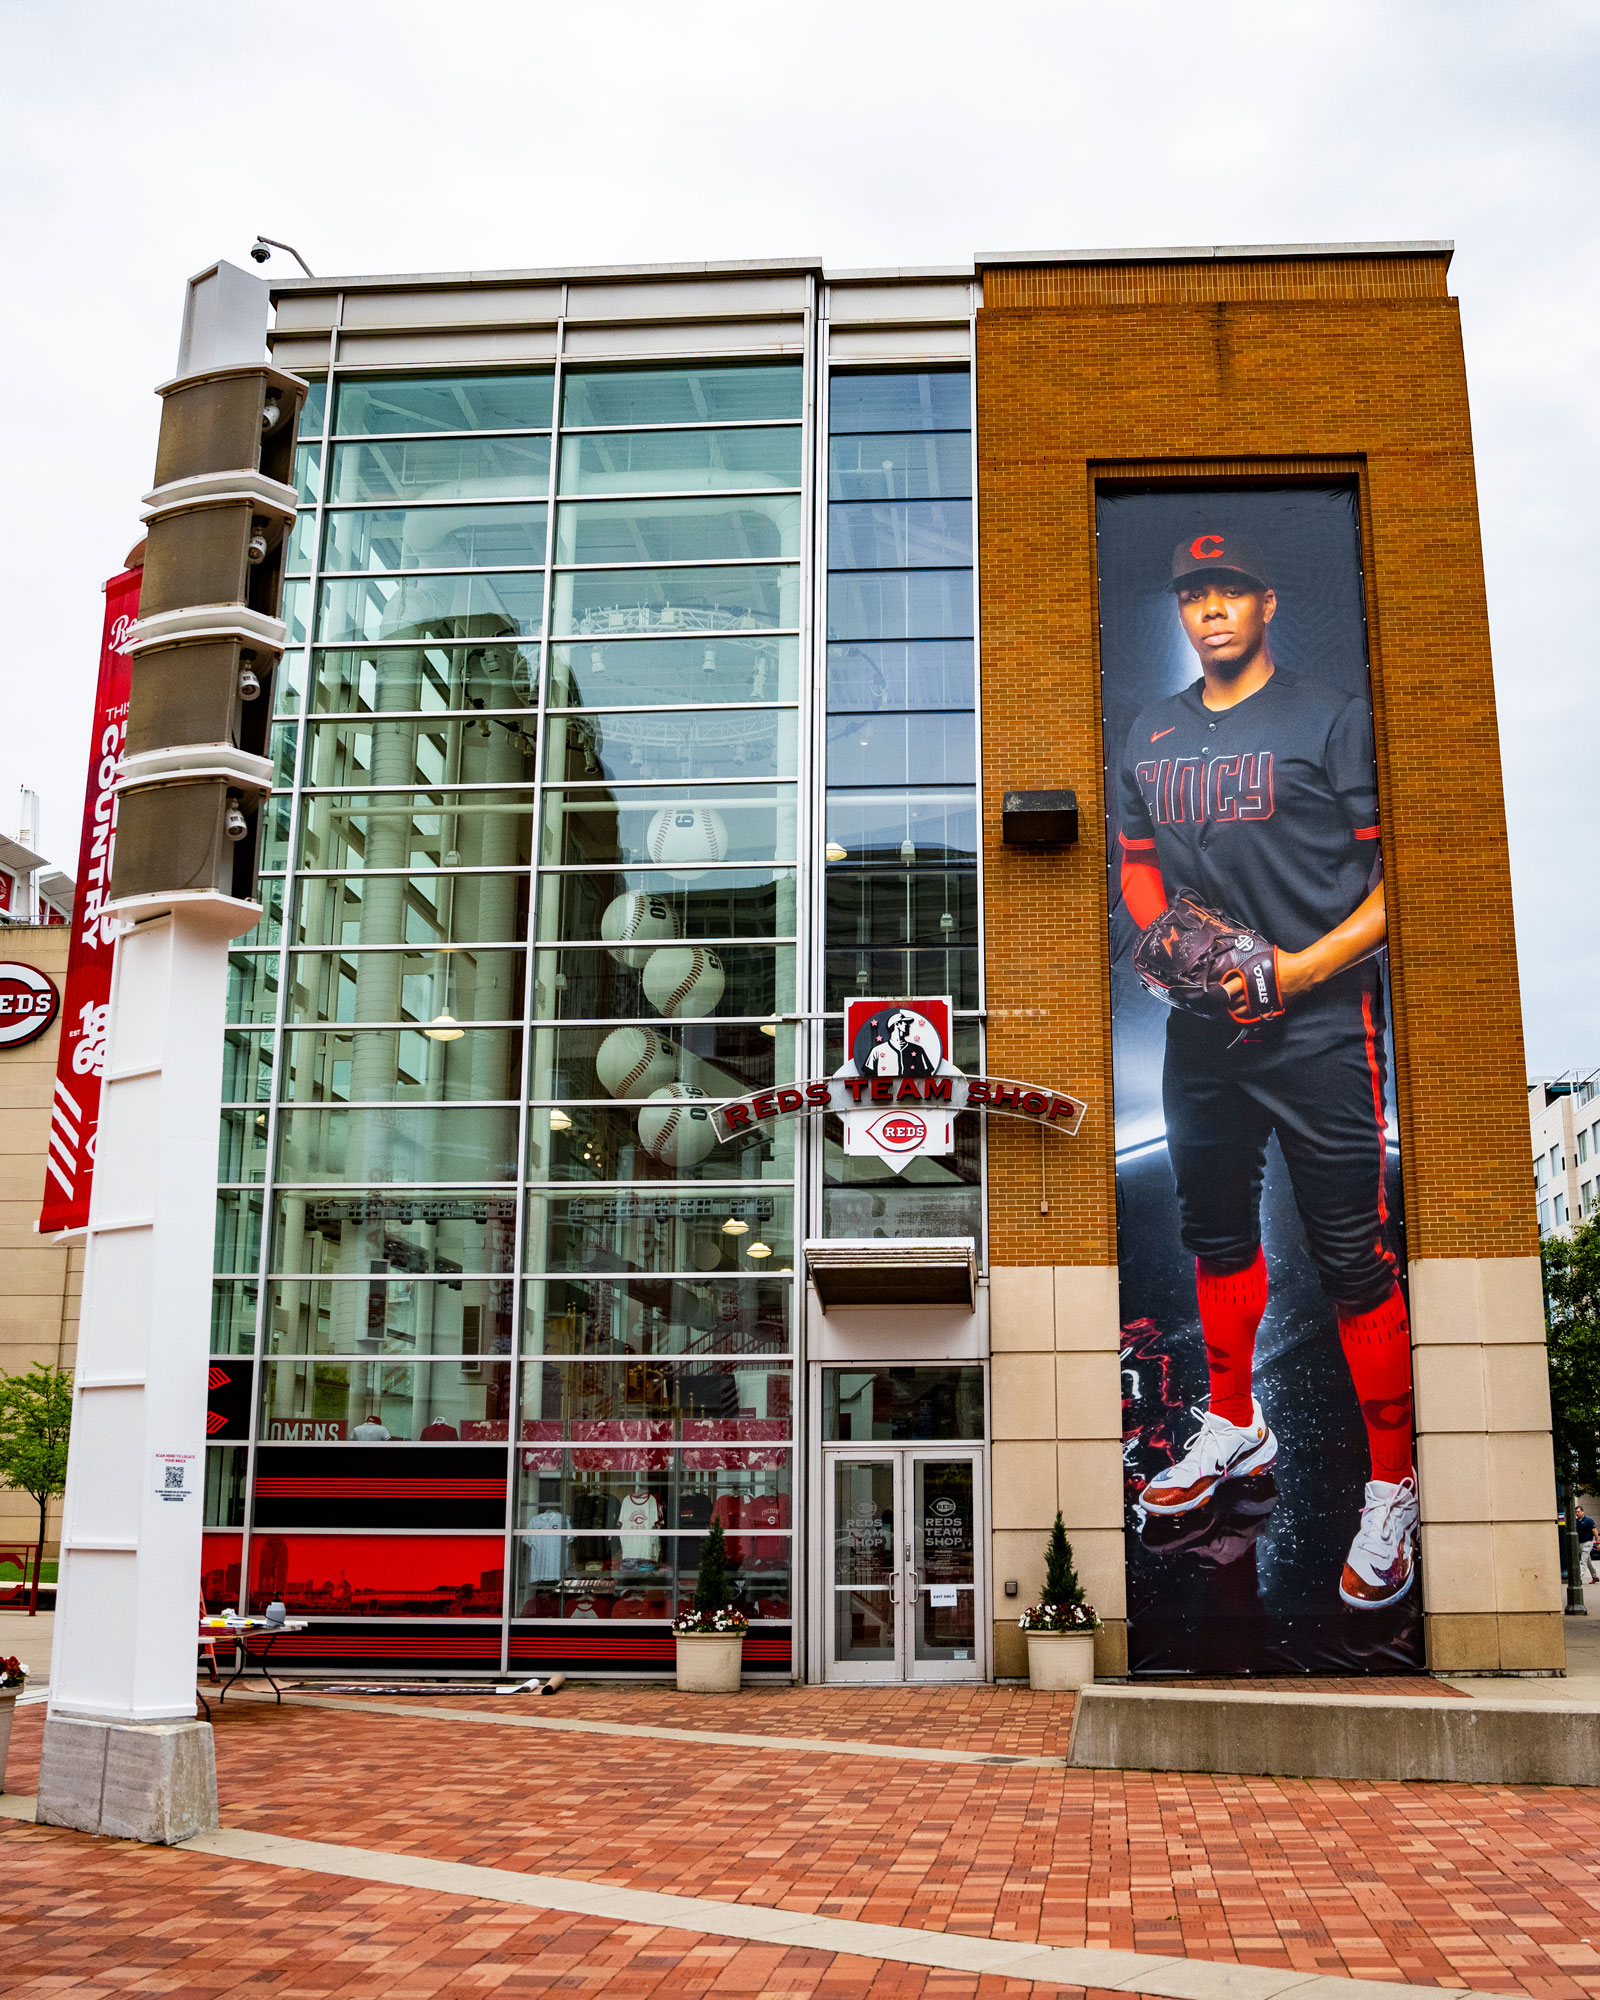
{"x":141,"y":142}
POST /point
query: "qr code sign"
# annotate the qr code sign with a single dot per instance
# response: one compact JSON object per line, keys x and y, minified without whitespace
{"x":173,"y":1475}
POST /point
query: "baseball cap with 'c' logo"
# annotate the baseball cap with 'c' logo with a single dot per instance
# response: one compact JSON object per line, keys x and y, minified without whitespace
{"x":1214,"y":553}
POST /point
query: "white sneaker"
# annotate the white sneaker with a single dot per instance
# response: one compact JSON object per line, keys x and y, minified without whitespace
{"x":1382,"y":1559}
{"x":1218,"y":1451}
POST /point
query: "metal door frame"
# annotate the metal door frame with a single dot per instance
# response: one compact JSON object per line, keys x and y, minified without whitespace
{"x":904,"y":1670}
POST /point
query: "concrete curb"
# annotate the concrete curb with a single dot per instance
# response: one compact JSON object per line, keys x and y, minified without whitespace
{"x":1335,"y":1736}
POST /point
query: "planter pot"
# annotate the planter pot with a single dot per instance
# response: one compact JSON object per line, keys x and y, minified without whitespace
{"x":1060,"y":1662}
{"x":709,"y":1662}
{"x":8,"y":1708}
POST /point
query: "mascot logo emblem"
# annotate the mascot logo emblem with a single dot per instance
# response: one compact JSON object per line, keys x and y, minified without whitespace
{"x":897,"y":1047}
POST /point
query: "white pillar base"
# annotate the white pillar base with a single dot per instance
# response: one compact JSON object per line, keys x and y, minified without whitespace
{"x":151,"y":1781}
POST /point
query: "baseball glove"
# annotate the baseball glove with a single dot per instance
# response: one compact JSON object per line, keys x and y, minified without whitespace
{"x":1190,"y":950}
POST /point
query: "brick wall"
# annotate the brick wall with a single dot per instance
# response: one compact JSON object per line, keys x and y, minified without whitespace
{"x":1215,"y":370}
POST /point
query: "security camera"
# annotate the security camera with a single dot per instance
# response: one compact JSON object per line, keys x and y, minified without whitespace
{"x":259,"y":251}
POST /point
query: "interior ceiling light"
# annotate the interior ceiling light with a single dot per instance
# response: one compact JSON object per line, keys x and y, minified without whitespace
{"x":834,"y":852}
{"x":785,"y":1271}
{"x":758,"y":1249}
{"x":734,"y":1227}
{"x":443,"y":1028}
{"x":770,"y":1027}
{"x":560,"y":1122}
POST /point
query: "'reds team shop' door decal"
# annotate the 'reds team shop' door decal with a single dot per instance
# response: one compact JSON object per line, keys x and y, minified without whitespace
{"x":1271,"y":1522}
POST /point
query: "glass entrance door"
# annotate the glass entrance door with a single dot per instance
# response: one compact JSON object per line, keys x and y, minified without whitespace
{"x":904,"y":1569}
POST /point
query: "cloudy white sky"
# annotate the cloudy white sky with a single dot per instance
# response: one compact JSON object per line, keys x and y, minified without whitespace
{"x":139,"y":143}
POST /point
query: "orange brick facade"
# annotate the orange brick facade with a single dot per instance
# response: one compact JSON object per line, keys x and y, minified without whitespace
{"x":1269,"y":368}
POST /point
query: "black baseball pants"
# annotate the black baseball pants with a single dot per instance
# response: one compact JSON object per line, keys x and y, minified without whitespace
{"x":1318,"y":1082}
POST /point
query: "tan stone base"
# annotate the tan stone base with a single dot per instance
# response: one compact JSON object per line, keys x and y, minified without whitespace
{"x":151,"y":1781}
{"x":1011,"y":1650}
{"x":1495,"y":1642}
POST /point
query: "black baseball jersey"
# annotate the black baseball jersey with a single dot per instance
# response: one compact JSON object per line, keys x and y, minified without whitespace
{"x":1267,"y":810}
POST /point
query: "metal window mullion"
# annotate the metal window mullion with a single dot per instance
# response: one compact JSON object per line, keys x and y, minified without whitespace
{"x":808,"y":890}
{"x":433,"y":569}
{"x":399,"y":504}
{"x":286,"y":929}
{"x":520,"y":1222}
{"x":977,"y":754}
{"x":699,"y":424}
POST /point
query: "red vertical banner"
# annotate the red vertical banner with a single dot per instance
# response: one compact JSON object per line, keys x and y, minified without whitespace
{"x":75,"y":1111}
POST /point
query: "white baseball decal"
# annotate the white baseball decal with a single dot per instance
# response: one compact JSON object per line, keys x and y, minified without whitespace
{"x":682,"y":838}
{"x":633,"y":1062}
{"x":634,"y":917}
{"x":675,"y":1127}
{"x":684,"y":980}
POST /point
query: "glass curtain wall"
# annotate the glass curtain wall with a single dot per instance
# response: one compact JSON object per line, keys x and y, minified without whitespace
{"x":901,"y":834}
{"x":518,"y":1325}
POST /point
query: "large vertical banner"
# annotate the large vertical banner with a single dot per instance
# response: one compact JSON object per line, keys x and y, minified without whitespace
{"x":75,"y":1109}
{"x":1271,"y":1497}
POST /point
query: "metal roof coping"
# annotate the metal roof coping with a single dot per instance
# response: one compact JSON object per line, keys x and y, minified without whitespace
{"x":1197,"y":253}
{"x":555,"y":275}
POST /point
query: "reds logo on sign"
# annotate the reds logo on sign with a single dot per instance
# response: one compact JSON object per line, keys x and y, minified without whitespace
{"x":900,"y":1134}
{"x":28,"y":1004}
{"x":893,"y":1043}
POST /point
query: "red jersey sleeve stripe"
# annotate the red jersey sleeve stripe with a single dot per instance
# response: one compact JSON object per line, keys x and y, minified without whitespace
{"x":1366,"y":833}
{"x":1145,"y":846}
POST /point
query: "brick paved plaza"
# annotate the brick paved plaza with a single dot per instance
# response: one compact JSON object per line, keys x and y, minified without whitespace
{"x":1451,"y":1885}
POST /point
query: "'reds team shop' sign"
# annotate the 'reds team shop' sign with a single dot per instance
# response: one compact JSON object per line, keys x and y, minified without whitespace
{"x":897,"y":1090}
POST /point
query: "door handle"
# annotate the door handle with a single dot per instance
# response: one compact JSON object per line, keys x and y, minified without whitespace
{"x":894,"y":1586}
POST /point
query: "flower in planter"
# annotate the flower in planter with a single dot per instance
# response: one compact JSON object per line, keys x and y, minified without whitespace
{"x":12,"y":1672}
{"x":1063,"y":1607}
{"x":713,"y":1595}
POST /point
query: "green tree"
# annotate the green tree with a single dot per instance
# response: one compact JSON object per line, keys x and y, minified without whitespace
{"x":1572,"y":1326}
{"x":711,"y":1592}
{"x":35,"y":1417}
{"x":1061,"y":1585}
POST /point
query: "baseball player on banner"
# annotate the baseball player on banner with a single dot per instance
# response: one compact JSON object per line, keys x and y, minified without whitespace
{"x":1249,"y":857}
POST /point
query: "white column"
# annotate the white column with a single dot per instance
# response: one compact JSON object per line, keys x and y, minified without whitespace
{"x":123,"y":1754}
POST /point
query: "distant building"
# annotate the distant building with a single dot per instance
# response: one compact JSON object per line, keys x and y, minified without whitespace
{"x":31,"y":891}
{"x":1564,"y":1114}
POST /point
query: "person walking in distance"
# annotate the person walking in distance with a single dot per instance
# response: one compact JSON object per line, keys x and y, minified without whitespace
{"x":1248,"y":803}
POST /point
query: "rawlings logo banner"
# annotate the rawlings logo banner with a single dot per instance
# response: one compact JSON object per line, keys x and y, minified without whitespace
{"x":75,"y":1110}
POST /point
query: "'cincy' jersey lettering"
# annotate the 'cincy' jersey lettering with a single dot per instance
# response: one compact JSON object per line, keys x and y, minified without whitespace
{"x":1189,"y":791}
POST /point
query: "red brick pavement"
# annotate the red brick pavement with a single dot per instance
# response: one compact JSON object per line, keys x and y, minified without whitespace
{"x":1489,"y":1887}
{"x":1003,"y":1721}
{"x":106,"y":1919}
